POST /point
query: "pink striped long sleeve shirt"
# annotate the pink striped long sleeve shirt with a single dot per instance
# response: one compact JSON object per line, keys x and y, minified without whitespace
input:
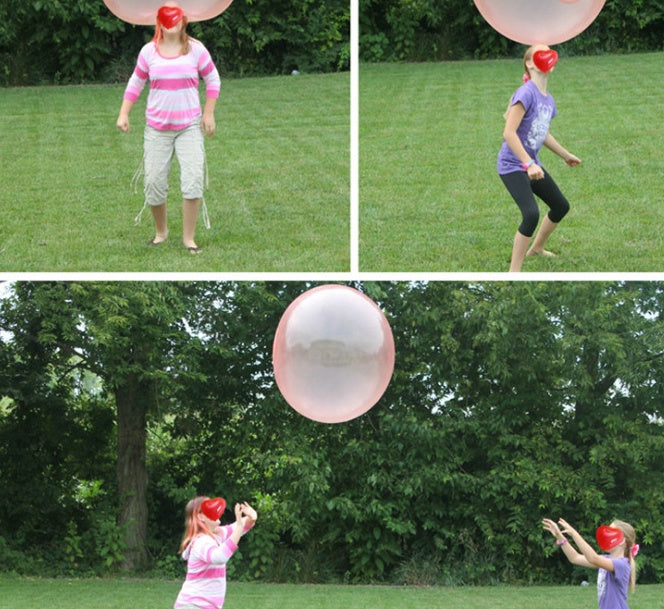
{"x":205,"y":583}
{"x":173,"y":101}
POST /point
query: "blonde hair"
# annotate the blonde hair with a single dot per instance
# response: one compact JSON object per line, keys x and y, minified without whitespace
{"x":193,"y":526}
{"x":630,"y":539}
{"x":184,"y":37}
{"x":527,"y":56}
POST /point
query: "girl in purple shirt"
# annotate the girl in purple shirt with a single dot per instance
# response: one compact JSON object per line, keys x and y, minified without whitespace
{"x":617,"y":570}
{"x":527,"y":123}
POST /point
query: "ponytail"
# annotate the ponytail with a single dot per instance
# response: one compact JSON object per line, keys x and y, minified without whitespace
{"x":527,"y":56}
{"x":631,"y":549}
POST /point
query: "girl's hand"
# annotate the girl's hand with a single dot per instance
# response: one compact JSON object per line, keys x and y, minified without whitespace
{"x":123,"y":122}
{"x":208,"y":124}
{"x":249,"y":512}
{"x":572,"y":160}
{"x":239,"y":523}
{"x":566,"y":527}
{"x":552,"y":527}
{"x":535,"y":172}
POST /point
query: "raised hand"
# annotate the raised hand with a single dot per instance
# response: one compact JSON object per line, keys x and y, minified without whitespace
{"x":552,"y":527}
{"x":249,"y":512}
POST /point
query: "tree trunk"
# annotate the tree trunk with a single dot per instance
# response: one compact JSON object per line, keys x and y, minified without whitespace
{"x":132,"y":401}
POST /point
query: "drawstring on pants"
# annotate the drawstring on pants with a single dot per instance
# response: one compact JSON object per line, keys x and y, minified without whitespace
{"x":140,"y":171}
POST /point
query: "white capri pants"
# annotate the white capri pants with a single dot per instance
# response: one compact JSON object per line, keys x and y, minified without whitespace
{"x":159,"y":146}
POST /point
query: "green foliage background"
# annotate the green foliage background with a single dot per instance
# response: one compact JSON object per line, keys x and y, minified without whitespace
{"x":74,"y":41}
{"x":426,"y":30}
{"x":509,"y":402}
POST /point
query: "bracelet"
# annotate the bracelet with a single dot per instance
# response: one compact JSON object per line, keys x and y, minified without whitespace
{"x":525,"y":166}
{"x":562,"y":542}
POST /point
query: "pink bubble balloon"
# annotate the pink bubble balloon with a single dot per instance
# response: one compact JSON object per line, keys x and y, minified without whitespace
{"x":333,"y":354}
{"x":539,"y":21}
{"x":144,"y":12}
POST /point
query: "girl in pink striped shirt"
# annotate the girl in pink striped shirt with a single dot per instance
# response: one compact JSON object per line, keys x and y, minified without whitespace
{"x":207,"y":547}
{"x":173,"y":62}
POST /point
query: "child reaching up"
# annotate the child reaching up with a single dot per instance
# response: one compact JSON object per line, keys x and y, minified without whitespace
{"x":617,"y":570}
{"x":207,"y":546}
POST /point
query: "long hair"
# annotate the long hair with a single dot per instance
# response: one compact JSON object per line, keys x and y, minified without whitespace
{"x":527,"y":56}
{"x":184,"y":37}
{"x":193,"y":526}
{"x":630,"y":539}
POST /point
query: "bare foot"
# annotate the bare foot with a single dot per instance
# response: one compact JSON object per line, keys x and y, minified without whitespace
{"x":158,"y":238}
{"x":545,"y":253}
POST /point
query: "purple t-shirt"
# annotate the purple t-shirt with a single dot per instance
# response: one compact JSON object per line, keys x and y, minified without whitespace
{"x":612,"y":587}
{"x":534,"y":127}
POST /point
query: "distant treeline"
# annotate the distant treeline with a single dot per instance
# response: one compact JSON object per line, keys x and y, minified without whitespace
{"x":76,"y":41}
{"x":428,"y":30}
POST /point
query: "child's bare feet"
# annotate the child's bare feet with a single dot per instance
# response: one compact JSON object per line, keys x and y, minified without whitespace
{"x":159,"y":238}
{"x":545,"y":253}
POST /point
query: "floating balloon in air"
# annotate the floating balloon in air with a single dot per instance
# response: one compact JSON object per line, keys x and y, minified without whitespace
{"x":213,"y":508}
{"x":333,"y":354}
{"x":608,"y":537}
{"x":144,"y":12}
{"x":539,"y":21}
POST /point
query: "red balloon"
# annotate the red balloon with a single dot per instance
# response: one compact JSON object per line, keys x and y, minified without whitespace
{"x":333,"y":354}
{"x":608,"y":537}
{"x":213,"y":508}
{"x":539,"y":21}
{"x":545,"y":60}
{"x":144,"y":12}
{"x":170,"y":16}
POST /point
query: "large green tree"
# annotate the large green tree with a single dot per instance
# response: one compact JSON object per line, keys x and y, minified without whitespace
{"x":132,"y":337}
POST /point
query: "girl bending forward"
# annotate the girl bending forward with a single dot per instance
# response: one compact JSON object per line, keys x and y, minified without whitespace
{"x":527,"y":122}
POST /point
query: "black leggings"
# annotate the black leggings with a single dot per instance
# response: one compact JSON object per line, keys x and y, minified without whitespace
{"x":523,"y":189}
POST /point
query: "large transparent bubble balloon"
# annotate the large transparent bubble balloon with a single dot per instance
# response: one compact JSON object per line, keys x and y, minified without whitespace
{"x":539,"y":21}
{"x":333,"y":354}
{"x":144,"y":12}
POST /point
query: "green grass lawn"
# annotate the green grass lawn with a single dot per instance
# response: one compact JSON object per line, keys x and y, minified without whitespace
{"x":279,"y":196}
{"x":430,"y":197}
{"x":152,"y":594}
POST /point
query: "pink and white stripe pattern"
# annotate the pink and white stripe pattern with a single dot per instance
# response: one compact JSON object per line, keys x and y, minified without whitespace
{"x":173,"y":102}
{"x":206,"y":556}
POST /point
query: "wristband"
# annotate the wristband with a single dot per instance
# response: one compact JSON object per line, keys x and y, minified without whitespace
{"x":528,"y":164}
{"x":562,"y":542}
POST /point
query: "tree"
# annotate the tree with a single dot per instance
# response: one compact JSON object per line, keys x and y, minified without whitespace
{"x":509,"y":402}
{"x":132,"y":336}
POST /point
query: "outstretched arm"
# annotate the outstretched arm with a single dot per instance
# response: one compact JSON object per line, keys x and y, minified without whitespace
{"x":572,"y":555}
{"x":593,"y":558}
